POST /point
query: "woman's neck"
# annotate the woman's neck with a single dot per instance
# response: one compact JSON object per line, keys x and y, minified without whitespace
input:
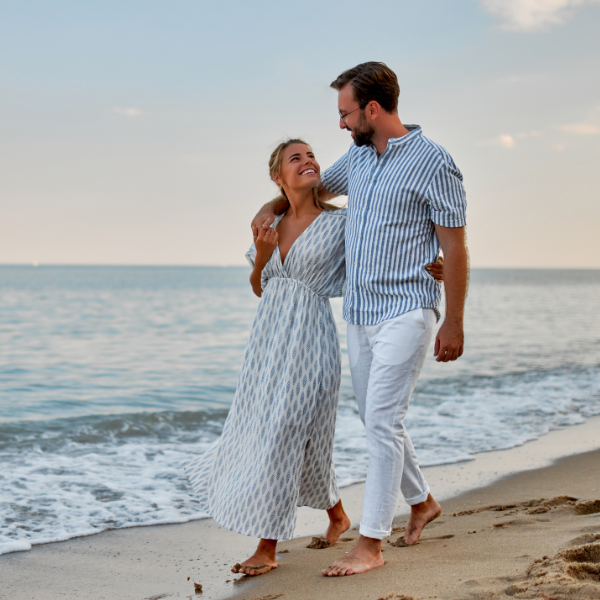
{"x":302,"y":203}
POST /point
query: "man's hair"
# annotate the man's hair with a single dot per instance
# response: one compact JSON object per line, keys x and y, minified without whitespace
{"x":371,"y":81}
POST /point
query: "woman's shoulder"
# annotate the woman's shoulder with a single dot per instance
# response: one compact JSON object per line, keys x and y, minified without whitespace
{"x":339,"y":212}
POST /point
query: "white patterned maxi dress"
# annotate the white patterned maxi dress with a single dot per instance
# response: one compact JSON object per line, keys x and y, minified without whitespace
{"x":275,"y":452}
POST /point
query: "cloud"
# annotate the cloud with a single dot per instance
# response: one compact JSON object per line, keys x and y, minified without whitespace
{"x":533,"y":15}
{"x":130,"y":111}
{"x":581,"y":129}
{"x":504,"y":141}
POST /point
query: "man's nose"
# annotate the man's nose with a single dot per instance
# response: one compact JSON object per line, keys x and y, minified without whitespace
{"x":342,"y":124}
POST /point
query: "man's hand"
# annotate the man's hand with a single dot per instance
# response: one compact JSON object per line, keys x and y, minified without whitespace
{"x":449,"y":342}
{"x":266,"y":215}
{"x":450,"y":338}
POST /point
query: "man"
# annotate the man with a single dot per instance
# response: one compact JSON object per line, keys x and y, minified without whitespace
{"x":405,"y":200}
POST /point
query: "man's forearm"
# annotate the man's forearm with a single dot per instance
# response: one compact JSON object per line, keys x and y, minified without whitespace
{"x":456,"y":276}
{"x":277,"y":206}
{"x":325,"y":194}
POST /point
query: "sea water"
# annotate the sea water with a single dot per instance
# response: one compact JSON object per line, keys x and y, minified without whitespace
{"x":111,"y":377}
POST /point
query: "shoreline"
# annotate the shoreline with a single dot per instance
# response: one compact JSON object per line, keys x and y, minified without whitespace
{"x":151,"y":560}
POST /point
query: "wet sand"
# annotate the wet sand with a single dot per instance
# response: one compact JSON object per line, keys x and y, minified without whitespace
{"x":450,"y":562}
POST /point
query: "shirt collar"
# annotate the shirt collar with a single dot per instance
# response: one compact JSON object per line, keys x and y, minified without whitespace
{"x":414,"y":131}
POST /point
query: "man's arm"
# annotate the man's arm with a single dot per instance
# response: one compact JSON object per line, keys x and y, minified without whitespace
{"x":266,"y":215}
{"x":449,"y":341}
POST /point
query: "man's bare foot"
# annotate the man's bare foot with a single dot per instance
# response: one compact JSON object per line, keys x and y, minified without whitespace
{"x":365,"y":556}
{"x":420,"y":515}
{"x":262,"y":561}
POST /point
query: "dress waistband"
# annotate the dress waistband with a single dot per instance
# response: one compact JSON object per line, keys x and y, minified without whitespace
{"x":298,"y":283}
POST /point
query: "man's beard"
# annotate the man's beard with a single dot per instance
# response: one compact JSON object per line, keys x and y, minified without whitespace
{"x":363,"y":133}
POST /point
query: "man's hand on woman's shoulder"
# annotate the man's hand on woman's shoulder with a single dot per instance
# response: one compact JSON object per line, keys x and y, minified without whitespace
{"x":266,"y":215}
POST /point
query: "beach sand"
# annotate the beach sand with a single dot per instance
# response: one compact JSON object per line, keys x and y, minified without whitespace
{"x":512,"y":539}
{"x":475,"y":554}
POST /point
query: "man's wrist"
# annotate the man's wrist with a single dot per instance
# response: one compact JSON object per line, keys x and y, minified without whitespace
{"x":454,"y":321}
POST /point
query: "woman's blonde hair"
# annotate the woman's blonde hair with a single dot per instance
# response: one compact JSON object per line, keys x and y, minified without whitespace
{"x":275,"y":169}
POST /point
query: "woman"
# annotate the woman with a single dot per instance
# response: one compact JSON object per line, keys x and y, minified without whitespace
{"x":275,"y":452}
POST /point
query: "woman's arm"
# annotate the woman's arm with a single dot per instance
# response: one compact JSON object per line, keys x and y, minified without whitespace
{"x":265,"y":244}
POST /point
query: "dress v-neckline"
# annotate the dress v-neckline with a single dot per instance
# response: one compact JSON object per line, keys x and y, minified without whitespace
{"x":281,"y":260}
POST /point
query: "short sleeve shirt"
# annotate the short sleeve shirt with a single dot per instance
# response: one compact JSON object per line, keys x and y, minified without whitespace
{"x":394,"y":202}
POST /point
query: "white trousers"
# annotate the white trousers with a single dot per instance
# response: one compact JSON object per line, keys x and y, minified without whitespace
{"x":385,"y":361}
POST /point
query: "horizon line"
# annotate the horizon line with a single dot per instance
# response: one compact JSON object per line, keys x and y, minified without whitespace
{"x":237,"y":266}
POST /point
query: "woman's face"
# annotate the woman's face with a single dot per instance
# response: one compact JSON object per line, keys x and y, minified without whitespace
{"x":299,"y":169}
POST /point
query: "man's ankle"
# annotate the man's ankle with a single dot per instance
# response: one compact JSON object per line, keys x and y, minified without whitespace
{"x":369,"y":543}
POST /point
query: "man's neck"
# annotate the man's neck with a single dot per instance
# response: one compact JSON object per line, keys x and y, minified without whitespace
{"x":389,"y":128}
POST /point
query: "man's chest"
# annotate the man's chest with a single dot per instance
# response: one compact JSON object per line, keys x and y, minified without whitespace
{"x":383,"y":189}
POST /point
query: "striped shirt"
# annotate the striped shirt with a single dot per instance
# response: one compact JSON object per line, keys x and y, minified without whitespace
{"x":393,"y":203}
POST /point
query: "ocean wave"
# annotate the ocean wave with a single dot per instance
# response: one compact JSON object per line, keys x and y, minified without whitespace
{"x":83,"y":475}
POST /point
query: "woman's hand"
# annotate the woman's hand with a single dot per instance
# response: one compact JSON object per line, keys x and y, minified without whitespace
{"x":436,"y":270}
{"x":265,"y":244}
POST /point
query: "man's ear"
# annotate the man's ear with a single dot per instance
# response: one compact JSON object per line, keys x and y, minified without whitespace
{"x":373,"y":109}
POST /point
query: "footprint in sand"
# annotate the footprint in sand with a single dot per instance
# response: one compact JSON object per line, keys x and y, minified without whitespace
{"x":401,"y":543}
{"x":586,"y":538}
{"x":572,"y":573}
{"x":535,"y":506}
{"x":318,"y":543}
{"x":587,"y":508}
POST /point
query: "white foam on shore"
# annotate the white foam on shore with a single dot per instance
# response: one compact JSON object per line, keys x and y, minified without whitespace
{"x":446,"y":481}
{"x":81,"y":479}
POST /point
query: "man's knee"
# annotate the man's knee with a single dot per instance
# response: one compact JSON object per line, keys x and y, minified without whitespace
{"x":384,"y":429}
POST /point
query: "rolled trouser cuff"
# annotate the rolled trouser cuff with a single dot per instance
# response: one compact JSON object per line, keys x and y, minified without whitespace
{"x":373,"y":533}
{"x":418,"y":499}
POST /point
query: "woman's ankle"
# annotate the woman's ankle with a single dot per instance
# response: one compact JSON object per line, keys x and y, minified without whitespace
{"x":268,"y":547}
{"x":337,"y":513}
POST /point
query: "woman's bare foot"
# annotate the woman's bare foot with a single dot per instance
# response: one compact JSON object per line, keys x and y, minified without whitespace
{"x":339,"y":522}
{"x":420,"y":515}
{"x":262,"y":561}
{"x":365,"y":556}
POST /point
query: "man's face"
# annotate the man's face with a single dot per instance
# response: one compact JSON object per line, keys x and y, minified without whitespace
{"x":352,"y":117}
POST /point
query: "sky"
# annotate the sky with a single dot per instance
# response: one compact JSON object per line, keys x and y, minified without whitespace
{"x":139,"y":132}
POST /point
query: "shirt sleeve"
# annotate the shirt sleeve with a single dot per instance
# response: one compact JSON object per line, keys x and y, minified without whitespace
{"x":251,"y":255}
{"x":335,"y":179}
{"x":447,"y":198}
